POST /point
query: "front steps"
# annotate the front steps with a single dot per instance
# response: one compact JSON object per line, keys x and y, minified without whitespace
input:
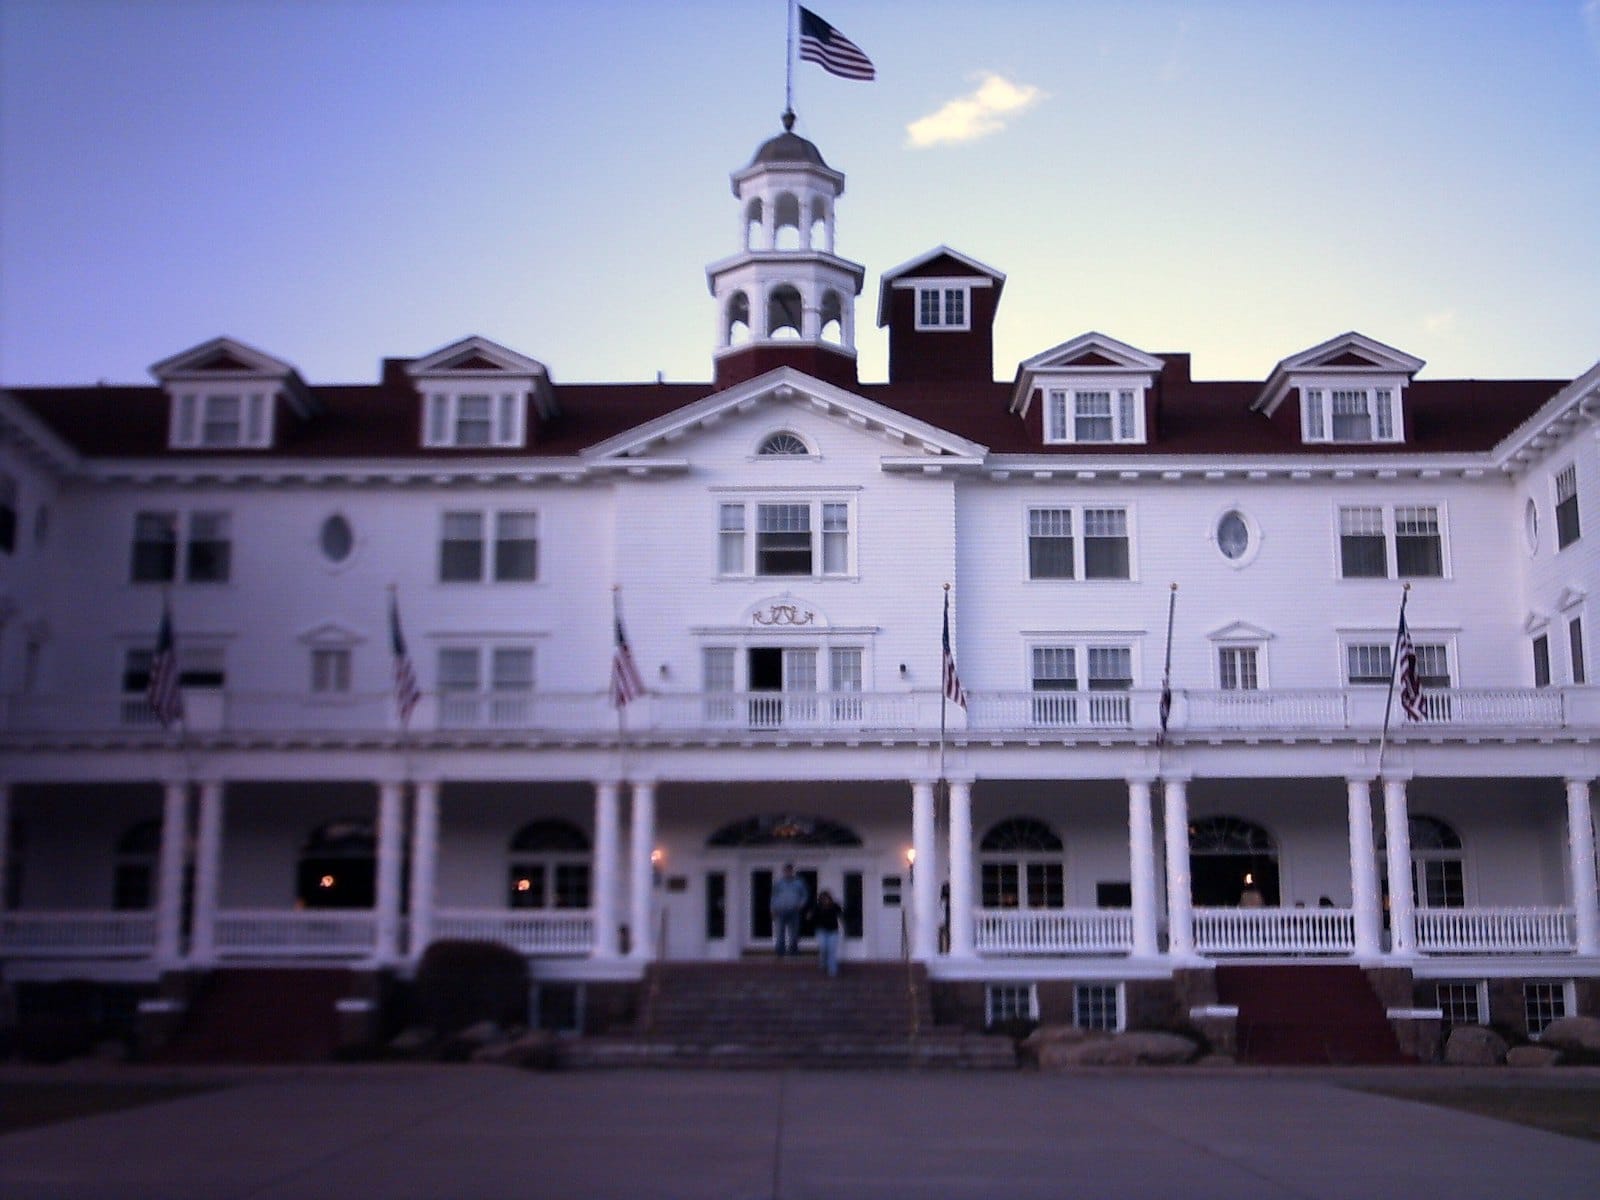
{"x":267,"y":1015}
{"x":1308,"y":1015}
{"x":786,"y":1013}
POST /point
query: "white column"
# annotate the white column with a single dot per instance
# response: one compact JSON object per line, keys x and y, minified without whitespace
{"x":169,"y":873}
{"x":603,"y":900}
{"x":1580,"y":844}
{"x":1397,"y":849}
{"x":424,"y":866}
{"x":207,"y":875}
{"x":1364,"y":870}
{"x":386,"y":906}
{"x":924,"y":875}
{"x":961,"y":869}
{"x":1180,"y":894}
{"x":1142,"y":868}
{"x":641,"y":872}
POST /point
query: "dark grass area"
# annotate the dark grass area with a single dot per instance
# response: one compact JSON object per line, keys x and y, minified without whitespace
{"x":43,"y":1102}
{"x":1565,"y":1109}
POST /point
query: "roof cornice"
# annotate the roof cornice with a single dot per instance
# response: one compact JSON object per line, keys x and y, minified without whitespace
{"x":1571,"y":408}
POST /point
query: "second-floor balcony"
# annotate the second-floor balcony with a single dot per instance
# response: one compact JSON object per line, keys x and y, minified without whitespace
{"x":1131,"y":715}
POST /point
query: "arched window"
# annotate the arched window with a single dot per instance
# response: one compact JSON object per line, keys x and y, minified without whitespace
{"x":337,"y":866}
{"x":1438,"y":876}
{"x":1021,"y":864}
{"x":549,"y":866}
{"x":783,"y":442}
{"x":784,"y":313}
{"x":1232,"y":862}
{"x":784,"y":829}
{"x":133,"y":884}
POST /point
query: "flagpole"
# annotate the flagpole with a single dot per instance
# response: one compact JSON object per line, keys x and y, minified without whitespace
{"x":788,"y":66}
{"x":1166,"y":681}
{"x":1394,"y":671}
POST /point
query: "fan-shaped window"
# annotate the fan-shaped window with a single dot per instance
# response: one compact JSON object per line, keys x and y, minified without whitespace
{"x":133,"y":884}
{"x":1021,"y":865}
{"x":783,"y":442}
{"x":549,"y":866}
{"x":1229,"y":835}
{"x":784,"y":829}
{"x":337,"y":867}
{"x":1430,"y":833}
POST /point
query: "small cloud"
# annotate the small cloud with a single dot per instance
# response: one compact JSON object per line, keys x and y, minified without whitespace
{"x":1440,"y":322}
{"x":975,"y":115}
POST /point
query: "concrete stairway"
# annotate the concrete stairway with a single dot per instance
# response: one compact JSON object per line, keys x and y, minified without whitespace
{"x":1308,"y":1014}
{"x":781,"y":1013}
{"x":261,"y":1016}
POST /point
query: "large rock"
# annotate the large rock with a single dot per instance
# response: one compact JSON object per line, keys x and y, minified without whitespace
{"x":1136,"y":1048}
{"x":535,"y":1049}
{"x":1474,"y":1046}
{"x":1532,"y":1056}
{"x":1050,"y":1045}
{"x":1581,"y":1034}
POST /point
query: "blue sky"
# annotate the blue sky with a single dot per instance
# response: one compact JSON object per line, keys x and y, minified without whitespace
{"x":335,"y":181}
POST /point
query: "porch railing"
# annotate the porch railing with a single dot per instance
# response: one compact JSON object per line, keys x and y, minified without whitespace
{"x":67,"y":934}
{"x":1495,"y":930}
{"x":1053,"y":931}
{"x":548,"y":933}
{"x":1274,"y":930}
{"x":816,"y":713}
{"x":270,"y":932}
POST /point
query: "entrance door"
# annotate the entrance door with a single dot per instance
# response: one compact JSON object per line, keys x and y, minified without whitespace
{"x":790,"y":676}
{"x":1221,"y":880}
{"x":761,"y":879}
{"x":847,"y":882}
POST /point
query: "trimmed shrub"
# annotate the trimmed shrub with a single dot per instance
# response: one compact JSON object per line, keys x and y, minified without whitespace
{"x":460,"y":983}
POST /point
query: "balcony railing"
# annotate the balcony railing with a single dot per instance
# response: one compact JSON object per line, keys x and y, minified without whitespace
{"x":1495,"y":930}
{"x":532,"y":933}
{"x":838,"y":714}
{"x":269,"y":933}
{"x":1004,"y":931}
{"x":70,"y":934}
{"x":1274,"y":930}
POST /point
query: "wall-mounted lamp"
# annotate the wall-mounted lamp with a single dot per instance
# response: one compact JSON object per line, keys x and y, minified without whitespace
{"x":903,"y":671}
{"x":665,"y":670}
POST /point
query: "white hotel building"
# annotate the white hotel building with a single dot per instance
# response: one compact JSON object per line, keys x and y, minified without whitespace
{"x":781,"y":539}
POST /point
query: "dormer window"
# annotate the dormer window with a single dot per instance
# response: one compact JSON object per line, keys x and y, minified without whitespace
{"x":471,"y":420}
{"x":222,"y":420}
{"x":1349,"y":414}
{"x":1094,"y":414}
{"x":944,"y":306}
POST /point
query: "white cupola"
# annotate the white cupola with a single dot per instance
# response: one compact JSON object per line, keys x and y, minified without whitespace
{"x":786,"y":299}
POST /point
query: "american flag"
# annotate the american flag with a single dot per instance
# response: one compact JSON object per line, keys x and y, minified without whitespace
{"x":626,"y":685}
{"x":406,"y":691}
{"x":952,"y":682}
{"x":165,"y":694}
{"x":1405,"y":657}
{"x":836,"y":54}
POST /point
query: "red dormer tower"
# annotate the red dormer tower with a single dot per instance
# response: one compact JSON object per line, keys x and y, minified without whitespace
{"x":786,"y":299}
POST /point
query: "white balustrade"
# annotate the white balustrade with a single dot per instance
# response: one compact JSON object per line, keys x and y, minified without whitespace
{"x":88,"y":934}
{"x":1495,"y":930}
{"x":1274,"y":930}
{"x":541,"y":933}
{"x":1053,"y":931}
{"x":1276,"y":708}
{"x":271,"y":932}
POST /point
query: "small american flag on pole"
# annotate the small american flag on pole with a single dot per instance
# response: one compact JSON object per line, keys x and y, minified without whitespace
{"x":1406,"y":668}
{"x":626,"y":686}
{"x":836,"y":54}
{"x":953,"y":691}
{"x":406,"y":691}
{"x":165,"y":694}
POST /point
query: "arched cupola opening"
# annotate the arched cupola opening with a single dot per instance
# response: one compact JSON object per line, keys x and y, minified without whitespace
{"x":754,"y":234}
{"x":831,"y":318}
{"x":786,"y":222}
{"x":785,"y":312}
{"x":736,"y":320}
{"x":820,"y":234}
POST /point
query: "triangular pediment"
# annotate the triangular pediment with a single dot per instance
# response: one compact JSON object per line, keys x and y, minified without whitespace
{"x":331,"y":634}
{"x":1239,"y":631}
{"x":221,"y":357}
{"x":942,"y":262}
{"x":781,"y":388}
{"x":476,"y":357}
{"x":1092,"y":354}
{"x":1350,"y":354}
{"x":1570,"y":597}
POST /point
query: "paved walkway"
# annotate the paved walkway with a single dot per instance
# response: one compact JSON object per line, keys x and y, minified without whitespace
{"x":440,"y":1133}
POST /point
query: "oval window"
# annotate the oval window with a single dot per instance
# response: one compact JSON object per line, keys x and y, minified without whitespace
{"x":337,"y":539}
{"x":1530,"y":526}
{"x":1233,"y":535}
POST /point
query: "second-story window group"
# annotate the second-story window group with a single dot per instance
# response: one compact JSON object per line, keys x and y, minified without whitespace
{"x":207,"y":551}
{"x":804,"y":538}
{"x":498,"y":547}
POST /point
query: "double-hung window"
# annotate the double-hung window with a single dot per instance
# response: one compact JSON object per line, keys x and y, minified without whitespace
{"x":1541,"y":660}
{"x":1580,"y":671}
{"x":1403,"y":541}
{"x":226,"y":421}
{"x":464,"y":556}
{"x":1237,"y":668}
{"x":485,"y":685}
{"x":330,"y":670}
{"x":473,"y":420}
{"x":208,"y":552}
{"x":800,"y":537}
{"x":1349,"y":414}
{"x":1058,"y":685}
{"x":1567,"y":525}
{"x":943,"y":307}
{"x":1093,"y":415}
{"x":1372,"y":662}
{"x":1102,"y":552}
